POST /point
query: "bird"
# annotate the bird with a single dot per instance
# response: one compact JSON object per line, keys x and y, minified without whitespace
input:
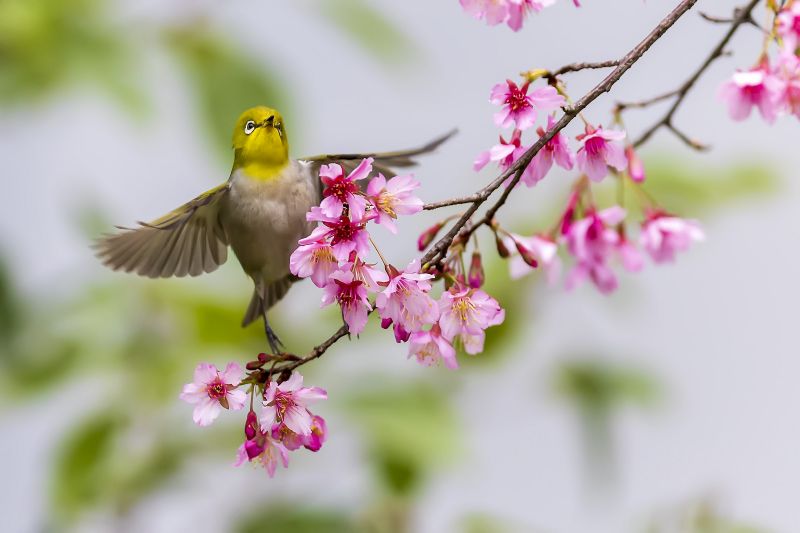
{"x":259,"y":212}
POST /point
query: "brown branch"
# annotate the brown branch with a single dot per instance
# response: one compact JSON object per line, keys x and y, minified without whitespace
{"x":741,"y":16}
{"x":439,"y":250}
{"x":576,"y":67}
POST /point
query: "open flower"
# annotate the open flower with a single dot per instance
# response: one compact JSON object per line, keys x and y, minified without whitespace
{"x":788,"y":26}
{"x":286,"y":404}
{"x":366,"y":273}
{"x":519,"y":107}
{"x":788,"y":69}
{"x":465,"y":314}
{"x":493,"y":11}
{"x":430,"y":347}
{"x":664,"y":235}
{"x":314,"y":260}
{"x":392,"y":198}
{"x":555,"y":150}
{"x":592,"y":241}
{"x":519,"y":9}
{"x":260,"y":447}
{"x":340,"y":189}
{"x":213,"y":391}
{"x":531,"y":252}
{"x":345,"y":234}
{"x":601,"y":149}
{"x":351,"y":295}
{"x":405,"y":302}
{"x":505,"y":154}
{"x":757,"y":87}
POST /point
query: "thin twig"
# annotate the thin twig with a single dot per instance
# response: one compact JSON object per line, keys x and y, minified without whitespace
{"x":575,"y":67}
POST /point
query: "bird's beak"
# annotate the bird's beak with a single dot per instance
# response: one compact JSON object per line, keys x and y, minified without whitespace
{"x":270,"y":121}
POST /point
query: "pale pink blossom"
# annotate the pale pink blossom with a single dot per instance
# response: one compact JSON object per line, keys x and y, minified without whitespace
{"x":292,"y":441}
{"x":555,"y":150}
{"x":213,"y":391}
{"x":351,"y":295}
{"x":592,"y":241}
{"x":521,"y":108}
{"x":788,"y":69}
{"x":788,"y":26}
{"x":366,"y":273}
{"x":531,"y":252}
{"x":392,"y":198}
{"x":519,"y":9}
{"x":664,"y":235}
{"x":629,"y":255}
{"x":493,"y":11}
{"x":757,"y":87}
{"x":286,"y":404}
{"x":314,"y":260}
{"x":405,"y":302}
{"x":265,"y":450}
{"x":430,"y":347}
{"x":505,"y":154}
{"x":600,"y":149}
{"x":466,"y":313}
{"x":344,"y":234}
{"x":340,"y":189}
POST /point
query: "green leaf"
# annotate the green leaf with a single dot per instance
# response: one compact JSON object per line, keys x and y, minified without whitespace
{"x":226,"y":80}
{"x":369,"y":28}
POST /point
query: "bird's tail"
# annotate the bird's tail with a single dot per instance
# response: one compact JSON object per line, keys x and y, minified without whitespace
{"x":260,"y":303}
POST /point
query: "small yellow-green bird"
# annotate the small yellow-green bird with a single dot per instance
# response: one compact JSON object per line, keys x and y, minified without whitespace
{"x":260,"y":212}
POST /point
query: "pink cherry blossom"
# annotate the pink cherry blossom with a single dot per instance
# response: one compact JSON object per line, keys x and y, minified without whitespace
{"x":556,"y":149}
{"x":757,"y":87}
{"x":366,"y":273}
{"x":663,"y":235}
{"x":340,"y":189}
{"x":600,"y":149}
{"x":319,"y":433}
{"x":344,"y":234}
{"x":494,"y":11}
{"x":429,"y":347}
{"x":538,"y":248}
{"x":788,"y":69}
{"x":314,"y":260}
{"x":212,"y":391}
{"x":351,"y":295}
{"x":393,"y":198}
{"x":466,"y":313}
{"x":519,"y":107}
{"x":286,"y":404}
{"x":788,"y":26}
{"x":629,"y":255}
{"x":265,"y":450}
{"x":427,"y":236}
{"x":519,"y":9}
{"x":592,"y":241}
{"x":635,"y":166}
{"x":505,"y":154}
{"x":405,"y":302}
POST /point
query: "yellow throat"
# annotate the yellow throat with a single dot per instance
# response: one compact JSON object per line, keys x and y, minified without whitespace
{"x":261,"y":148}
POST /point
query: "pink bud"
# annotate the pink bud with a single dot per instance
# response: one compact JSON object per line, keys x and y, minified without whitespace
{"x":635,"y":165}
{"x":569,"y":213}
{"x":428,"y":235}
{"x":476,"y":275}
{"x":251,"y":426}
{"x":502,"y":251}
{"x":526,"y":255}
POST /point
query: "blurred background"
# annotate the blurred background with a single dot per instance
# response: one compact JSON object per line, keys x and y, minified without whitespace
{"x":667,"y":407}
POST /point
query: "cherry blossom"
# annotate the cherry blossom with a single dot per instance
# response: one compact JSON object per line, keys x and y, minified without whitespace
{"x":260,"y":447}
{"x":592,"y":241}
{"x":493,"y":11}
{"x":520,"y":108}
{"x":466,"y":313}
{"x":531,"y":252}
{"x":663,"y":235}
{"x":788,"y":26}
{"x":351,"y":295}
{"x":635,"y":166}
{"x":344,"y":234}
{"x":213,"y":391}
{"x":314,"y":260}
{"x":393,"y":198}
{"x":757,"y":87}
{"x":340,"y":189}
{"x":519,"y":9}
{"x":286,"y":404}
{"x":555,"y":150}
{"x":505,"y":154}
{"x":405,"y":302}
{"x":600,"y":149}
{"x":430,"y":347}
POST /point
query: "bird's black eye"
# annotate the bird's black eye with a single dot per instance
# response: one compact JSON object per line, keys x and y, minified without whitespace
{"x":250,"y":127}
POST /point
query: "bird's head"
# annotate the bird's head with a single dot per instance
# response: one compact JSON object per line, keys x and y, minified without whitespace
{"x":259,"y":143}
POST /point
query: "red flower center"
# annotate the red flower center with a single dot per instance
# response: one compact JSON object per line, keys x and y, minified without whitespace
{"x":340,"y":188}
{"x":517,"y":97}
{"x":343,"y":230}
{"x":217,"y":389}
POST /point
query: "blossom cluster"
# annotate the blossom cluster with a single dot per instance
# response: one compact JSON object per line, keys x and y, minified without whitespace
{"x":511,"y":12}
{"x":772,"y":85}
{"x":335,"y":257}
{"x":285,"y":423}
{"x":593,"y":238}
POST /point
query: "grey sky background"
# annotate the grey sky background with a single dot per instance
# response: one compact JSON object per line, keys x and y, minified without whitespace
{"x":717,"y":328}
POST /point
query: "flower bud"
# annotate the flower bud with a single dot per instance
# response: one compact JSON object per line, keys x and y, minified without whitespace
{"x":526,"y":255}
{"x":476,"y":276}
{"x":502,"y":250}
{"x":635,"y":165}
{"x":251,"y":426}
{"x":428,"y":235}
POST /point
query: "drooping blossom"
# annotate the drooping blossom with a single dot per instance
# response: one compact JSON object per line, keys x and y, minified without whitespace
{"x":757,"y":87}
{"x":531,"y":252}
{"x":405,"y":302}
{"x":315,"y":260}
{"x":345,"y":234}
{"x":520,"y":108}
{"x":319,"y":433}
{"x":351,"y":295}
{"x":392,"y":198}
{"x":788,"y":69}
{"x":600,"y":149}
{"x":663,"y":235}
{"x":286,"y":404}
{"x":555,"y":150}
{"x":292,"y":441}
{"x":519,"y":9}
{"x":788,"y":26}
{"x":212,"y":391}
{"x":635,"y":166}
{"x":466,"y":313}
{"x":430,"y":347}
{"x":366,"y":273}
{"x":493,"y":11}
{"x":592,"y":241}
{"x":340,"y":189}
{"x":260,"y":447}
{"x":505,"y":154}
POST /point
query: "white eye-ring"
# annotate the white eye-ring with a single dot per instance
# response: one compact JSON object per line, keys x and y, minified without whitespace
{"x":250,"y":127}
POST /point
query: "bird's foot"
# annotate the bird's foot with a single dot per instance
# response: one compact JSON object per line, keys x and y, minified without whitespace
{"x":275,"y":343}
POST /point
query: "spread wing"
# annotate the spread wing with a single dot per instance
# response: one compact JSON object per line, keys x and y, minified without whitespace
{"x":188,"y":240}
{"x":385,"y":162}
